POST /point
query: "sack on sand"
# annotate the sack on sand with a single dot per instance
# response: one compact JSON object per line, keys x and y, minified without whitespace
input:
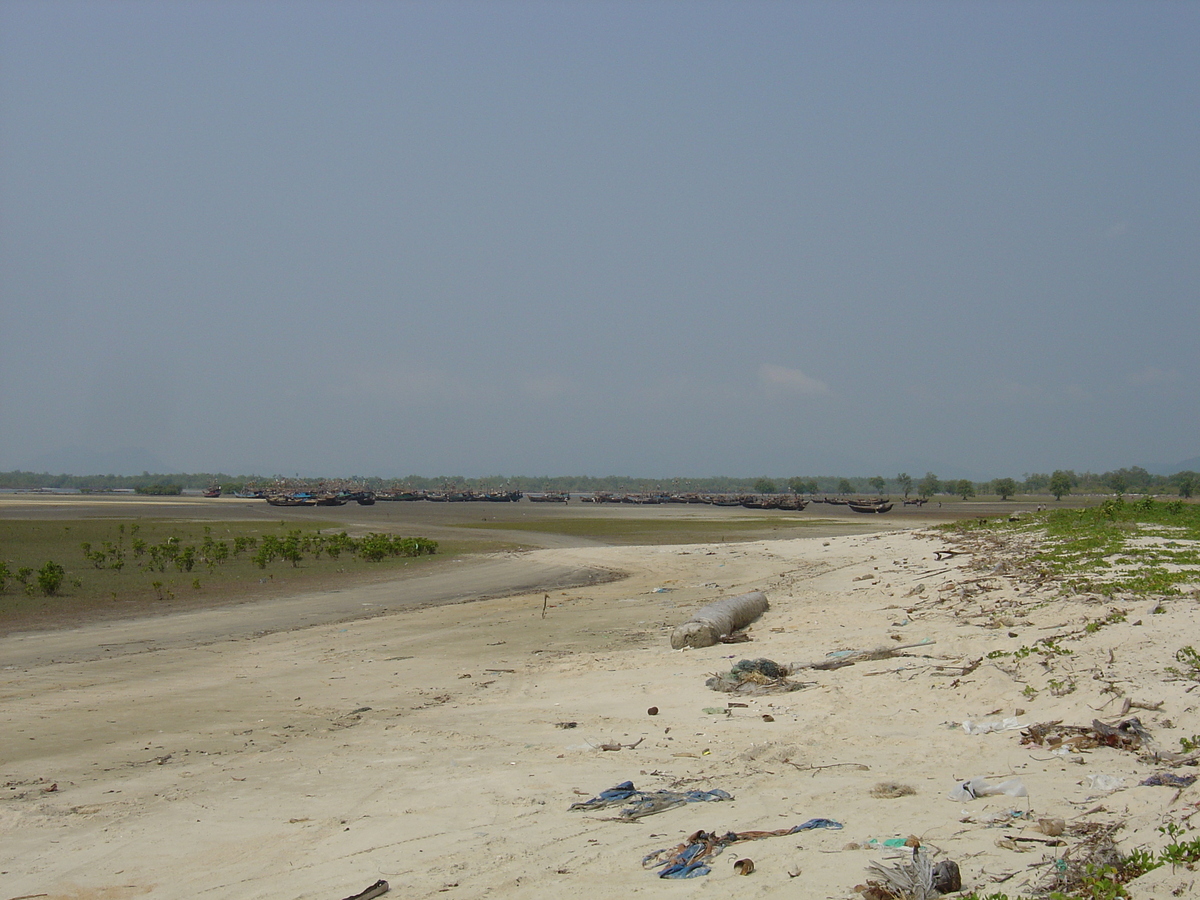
{"x":718,"y":620}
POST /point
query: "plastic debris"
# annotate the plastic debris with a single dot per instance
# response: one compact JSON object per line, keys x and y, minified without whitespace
{"x":647,"y":803}
{"x":1169,"y":779}
{"x":754,"y":676}
{"x":690,"y":859}
{"x":981,"y":787}
{"x":1010,"y":724}
{"x":1105,"y":783}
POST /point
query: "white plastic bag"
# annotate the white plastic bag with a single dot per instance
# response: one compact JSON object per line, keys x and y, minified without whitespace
{"x":981,"y":787}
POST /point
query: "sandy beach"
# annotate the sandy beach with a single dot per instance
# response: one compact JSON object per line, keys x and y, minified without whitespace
{"x":440,"y":748}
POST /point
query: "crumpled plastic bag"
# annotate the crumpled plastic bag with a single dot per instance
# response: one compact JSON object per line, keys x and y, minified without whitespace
{"x":1010,"y":724}
{"x":981,"y":787}
{"x":1105,"y":783}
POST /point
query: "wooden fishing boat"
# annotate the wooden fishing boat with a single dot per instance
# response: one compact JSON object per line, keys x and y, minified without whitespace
{"x":290,"y":500}
{"x":870,"y":506}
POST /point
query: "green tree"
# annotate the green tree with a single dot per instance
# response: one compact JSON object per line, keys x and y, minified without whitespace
{"x":965,"y":488}
{"x":1060,"y":484}
{"x":1036,"y":482}
{"x":1185,"y":481}
{"x":929,"y":486}
{"x":803,"y":485}
{"x":877,"y":483}
{"x":905,"y":481}
{"x":845,"y":487}
{"x":1118,"y":481}
{"x":765,"y":486}
{"x":1004,"y":487}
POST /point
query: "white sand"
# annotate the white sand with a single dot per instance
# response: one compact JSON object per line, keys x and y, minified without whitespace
{"x":425,"y":747}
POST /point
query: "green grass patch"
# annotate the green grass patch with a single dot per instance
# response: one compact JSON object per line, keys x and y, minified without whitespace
{"x":1142,"y":547}
{"x":104,"y":567}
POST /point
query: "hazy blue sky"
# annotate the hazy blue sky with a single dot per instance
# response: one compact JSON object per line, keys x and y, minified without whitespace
{"x":655,"y":239}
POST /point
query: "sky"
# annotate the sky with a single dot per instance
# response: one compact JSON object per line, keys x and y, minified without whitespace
{"x":657,"y":239}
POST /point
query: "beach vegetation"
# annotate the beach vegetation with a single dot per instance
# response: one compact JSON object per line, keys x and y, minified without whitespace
{"x":1189,"y":659}
{"x":101,"y":568}
{"x":50,"y":577}
{"x":1142,"y":547}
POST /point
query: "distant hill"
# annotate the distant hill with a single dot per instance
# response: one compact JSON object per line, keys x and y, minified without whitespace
{"x":1188,"y":465}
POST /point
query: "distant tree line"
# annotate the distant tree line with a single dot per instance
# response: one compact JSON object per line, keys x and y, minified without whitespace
{"x":1059,"y":483}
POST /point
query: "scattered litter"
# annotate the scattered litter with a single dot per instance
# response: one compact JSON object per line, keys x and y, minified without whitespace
{"x":981,"y":787}
{"x":743,"y":866}
{"x":1075,"y":870}
{"x":1010,"y":724}
{"x":566,"y":724}
{"x":690,"y":859}
{"x":915,"y":879}
{"x":647,"y":803}
{"x":1169,"y":779}
{"x":754,"y":676}
{"x":888,"y":843}
{"x":1051,"y":827}
{"x":1105,"y":783}
{"x":1127,"y":735}
{"x":946,"y":877}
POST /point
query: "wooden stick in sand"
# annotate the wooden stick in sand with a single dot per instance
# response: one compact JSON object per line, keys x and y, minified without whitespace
{"x":856,"y":656}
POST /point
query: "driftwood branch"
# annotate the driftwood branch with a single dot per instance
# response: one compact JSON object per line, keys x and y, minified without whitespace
{"x":856,"y":656}
{"x":632,"y":746}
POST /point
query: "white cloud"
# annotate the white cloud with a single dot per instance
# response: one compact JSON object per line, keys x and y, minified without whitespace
{"x":790,"y":381}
